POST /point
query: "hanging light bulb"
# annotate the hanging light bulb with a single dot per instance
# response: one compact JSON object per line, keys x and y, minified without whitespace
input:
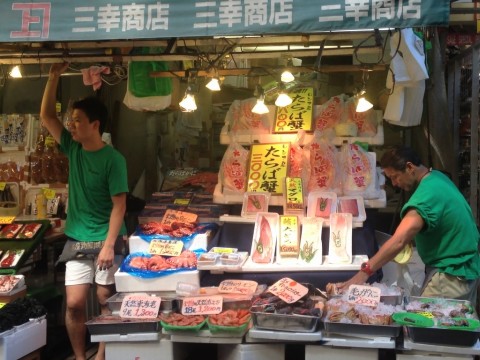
{"x":260,"y":107}
{"x":15,"y":72}
{"x":283,"y":99}
{"x":362,"y":103}
{"x":188,"y":103}
{"x":287,"y":76}
{"x":213,"y":84}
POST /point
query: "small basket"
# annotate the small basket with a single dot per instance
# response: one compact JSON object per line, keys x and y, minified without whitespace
{"x":215,"y":329}
{"x":174,"y":328}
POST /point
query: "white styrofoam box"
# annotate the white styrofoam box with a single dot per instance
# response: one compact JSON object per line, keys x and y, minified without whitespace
{"x":124,"y":282}
{"x":145,"y":350}
{"x":137,"y":244}
{"x":251,"y":352}
{"x":420,"y":355}
{"x":315,"y":352}
{"x":23,"y":339}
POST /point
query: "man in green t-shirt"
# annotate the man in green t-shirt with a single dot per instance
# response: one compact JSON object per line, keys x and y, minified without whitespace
{"x":96,"y":207}
{"x":440,"y":220}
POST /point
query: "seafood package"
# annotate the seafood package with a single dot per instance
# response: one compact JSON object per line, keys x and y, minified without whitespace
{"x":255,"y":202}
{"x":389,"y":294}
{"x":340,"y":243}
{"x":10,"y":231}
{"x":322,"y":204}
{"x":147,"y":265}
{"x":354,"y":205}
{"x":366,"y":121}
{"x":242,"y":120}
{"x":179,"y":322}
{"x":233,"y":321}
{"x":10,"y":282}
{"x":29,"y":231}
{"x":356,"y":169}
{"x":233,"y":168}
{"x":11,"y":257}
{"x":264,"y":238}
{"x":440,"y":321}
{"x":329,"y":114}
{"x":114,"y":324}
{"x":311,"y":252}
{"x":353,"y":319}
{"x":269,"y":312}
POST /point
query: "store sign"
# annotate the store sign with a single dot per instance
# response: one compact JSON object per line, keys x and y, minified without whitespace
{"x":363,"y":295}
{"x":298,"y":115}
{"x":268,"y":167}
{"x":60,"y":20}
{"x":165,"y":247}
{"x":293,"y":195}
{"x":140,"y":306}
{"x":288,"y":290}
{"x":237,"y":286}
{"x":202,"y":305}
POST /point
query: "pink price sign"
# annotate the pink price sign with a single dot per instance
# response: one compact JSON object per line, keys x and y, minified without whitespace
{"x":288,"y":290}
{"x":140,"y":306}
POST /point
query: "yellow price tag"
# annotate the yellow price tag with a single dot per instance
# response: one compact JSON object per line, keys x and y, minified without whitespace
{"x":49,"y":193}
{"x":6,"y":219}
{"x":2,"y":305}
{"x":2,"y":185}
{"x":181,"y":201}
{"x":49,"y":141}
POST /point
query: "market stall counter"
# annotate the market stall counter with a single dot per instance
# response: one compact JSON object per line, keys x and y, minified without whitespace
{"x":239,"y":235}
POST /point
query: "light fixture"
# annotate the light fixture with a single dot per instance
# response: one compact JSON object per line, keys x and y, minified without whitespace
{"x":283,"y":99}
{"x":362,"y":103}
{"x":213,"y":84}
{"x":287,"y":76}
{"x":188,"y":103}
{"x":260,"y":107}
{"x":15,"y":72}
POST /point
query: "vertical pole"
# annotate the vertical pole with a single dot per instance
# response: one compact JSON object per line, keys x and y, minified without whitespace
{"x":150,"y":155}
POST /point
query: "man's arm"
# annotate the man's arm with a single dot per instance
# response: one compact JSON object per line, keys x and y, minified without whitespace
{"x":48,"y":113}
{"x":106,"y":255}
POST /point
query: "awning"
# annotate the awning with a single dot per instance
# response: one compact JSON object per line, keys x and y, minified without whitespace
{"x":61,"y":20}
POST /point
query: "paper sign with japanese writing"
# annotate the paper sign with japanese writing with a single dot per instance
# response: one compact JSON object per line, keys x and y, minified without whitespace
{"x":268,"y":167}
{"x":289,"y":237}
{"x":364,"y":295}
{"x":293,"y":194}
{"x":237,"y":286}
{"x":298,"y":115}
{"x":202,"y":305}
{"x":288,"y":290}
{"x":140,"y":306}
{"x":172,"y":216}
{"x":165,"y":247}
{"x":49,"y":193}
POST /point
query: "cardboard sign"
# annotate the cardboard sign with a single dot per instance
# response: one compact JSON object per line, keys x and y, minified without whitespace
{"x":49,"y":193}
{"x":172,"y":216}
{"x":237,"y":287}
{"x":202,"y":305}
{"x":298,"y":115}
{"x":165,"y":247}
{"x":293,"y":194}
{"x":140,"y":306}
{"x":223,"y":250}
{"x":288,"y":240}
{"x":268,"y":167}
{"x":6,"y":219}
{"x":364,"y":295}
{"x":2,"y":185}
{"x":288,"y":290}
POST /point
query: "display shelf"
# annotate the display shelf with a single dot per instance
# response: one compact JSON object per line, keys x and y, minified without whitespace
{"x":248,"y":139}
{"x":254,"y":334}
{"x":250,"y":267}
{"x":204,"y":336}
{"x":147,"y":336}
{"x":408,"y":344}
{"x":242,"y":220}
{"x":277,"y":200}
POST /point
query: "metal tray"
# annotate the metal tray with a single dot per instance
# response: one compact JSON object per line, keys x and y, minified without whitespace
{"x":440,"y":335}
{"x":283,"y":322}
{"x":361,"y":329}
{"x":113,"y":324}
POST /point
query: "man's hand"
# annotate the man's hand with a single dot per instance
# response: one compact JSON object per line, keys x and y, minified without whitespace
{"x":105,"y":258}
{"x":58,"y":69}
{"x":359,"y":278}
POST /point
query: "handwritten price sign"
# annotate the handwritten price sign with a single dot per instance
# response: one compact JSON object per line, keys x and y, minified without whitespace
{"x":140,"y":306}
{"x":202,"y":305}
{"x":288,"y":290}
{"x":237,"y":287}
{"x":364,"y":295}
{"x":165,"y":247}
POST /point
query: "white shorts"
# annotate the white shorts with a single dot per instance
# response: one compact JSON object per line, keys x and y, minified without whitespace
{"x":85,"y":271}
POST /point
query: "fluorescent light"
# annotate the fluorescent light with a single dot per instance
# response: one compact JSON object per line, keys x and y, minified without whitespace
{"x":213,"y":85}
{"x":15,"y":72}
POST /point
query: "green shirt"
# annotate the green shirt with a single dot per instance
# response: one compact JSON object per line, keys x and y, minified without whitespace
{"x":449,"y":240}
{"x":94,"y":177}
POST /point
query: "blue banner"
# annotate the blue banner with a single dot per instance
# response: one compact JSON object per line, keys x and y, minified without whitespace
{"x":70,"y":20}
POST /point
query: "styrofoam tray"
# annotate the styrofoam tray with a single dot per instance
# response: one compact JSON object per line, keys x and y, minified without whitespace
{"x":125,"y":282}
{"x":23,"y":339}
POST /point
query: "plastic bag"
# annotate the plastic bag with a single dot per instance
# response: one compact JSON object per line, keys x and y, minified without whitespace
{"x":295,"y":164}
{"x":356,"y":169}
{"x":328,"y":115}
{"x":233,"y":169}
{"x":366,"y":121}
{"x":241,"y":119}
{"x":142,"y":263}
